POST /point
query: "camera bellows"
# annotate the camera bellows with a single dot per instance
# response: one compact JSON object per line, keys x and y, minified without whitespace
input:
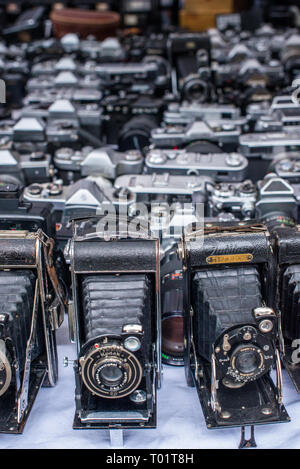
{"x":290,"y":305}
{"x":223,"y":298}
{"x":16,"y":300}
{"x":110,"y":302}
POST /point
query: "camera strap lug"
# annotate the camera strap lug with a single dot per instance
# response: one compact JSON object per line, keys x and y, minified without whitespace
{"x":58,"y":307}
{"x":250,"y":443}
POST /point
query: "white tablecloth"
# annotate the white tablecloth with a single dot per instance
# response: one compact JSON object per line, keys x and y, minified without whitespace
{"x":180,"y":418}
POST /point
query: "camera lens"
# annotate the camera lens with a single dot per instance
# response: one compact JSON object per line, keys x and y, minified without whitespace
{"x":136,"y":133}
{"x":195,"y":90}
{"x":247,"y":360}
{"x":172,"y":339}
{"x":111,"y":375}
{"x":110,"y":371}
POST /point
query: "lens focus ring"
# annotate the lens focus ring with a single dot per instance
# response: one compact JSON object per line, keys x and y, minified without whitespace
{"x":110,"y":371}
{"x":247,"y":361}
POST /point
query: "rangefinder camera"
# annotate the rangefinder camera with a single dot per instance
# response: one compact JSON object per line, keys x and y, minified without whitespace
{"x":189,"y":111}
{"x":219,"y":166}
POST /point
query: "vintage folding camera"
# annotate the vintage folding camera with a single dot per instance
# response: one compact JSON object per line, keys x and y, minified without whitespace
{"x":219,"y":166}
{"x":32,"y":306}
{"x":24,"y":168}
{"x":73,"y":164}
{"x":199,"y":136}
{"x":232,"y":325}
{"x":189,"y":56}
{"x":286,"y":239}
{"x":117,"y":369}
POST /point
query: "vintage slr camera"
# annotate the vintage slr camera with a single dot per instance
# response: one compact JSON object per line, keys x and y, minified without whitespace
{"x":26,"y":168}
{"x":219,"y":166}
{"x":248,"y":81}
{"x":81,"y":198}
{"x":231,"y":326}
{"x":129,"y":119}
{"x":73,"y":164}
{"x":32,"y":307}
{"x":116,"y":323}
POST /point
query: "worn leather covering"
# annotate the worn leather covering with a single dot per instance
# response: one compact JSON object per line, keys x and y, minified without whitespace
{"x":223,"y":298}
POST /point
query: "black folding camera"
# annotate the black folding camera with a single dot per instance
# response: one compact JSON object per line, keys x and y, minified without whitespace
{"x":31,"y":308}
{"x":286,"y":239}
{"x":231,"y":325}
{"x":189,"y":54}
{"x":115,"y":322}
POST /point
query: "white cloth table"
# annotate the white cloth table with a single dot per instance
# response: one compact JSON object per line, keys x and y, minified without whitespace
{"x":180,"y":419}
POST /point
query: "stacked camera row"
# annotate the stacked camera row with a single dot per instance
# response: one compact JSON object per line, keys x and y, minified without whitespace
{"x":164,"y":218}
